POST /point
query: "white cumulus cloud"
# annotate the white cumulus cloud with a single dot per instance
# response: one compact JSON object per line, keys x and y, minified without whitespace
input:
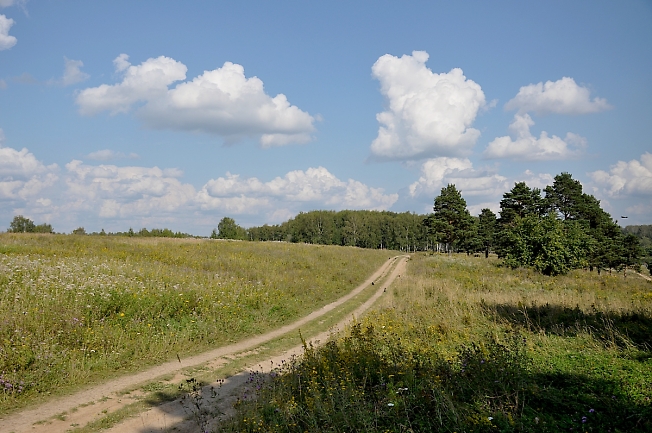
{"x":22,"y":176}
{"x":626,"y":179}
{"x":436,"y":173}
{"x":523,"y":146}
{"x":6,"y":41}
{"x":222,"y":101}
{"x":428,"y":114}
{"x":142,"y":83}
{"x":563,"y":96}
{"x":125,"y":191}
{"x":291,"y":193}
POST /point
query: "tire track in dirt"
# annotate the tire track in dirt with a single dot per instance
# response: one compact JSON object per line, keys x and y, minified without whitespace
{"x":81,"y":411}
{"x":172,"y":417}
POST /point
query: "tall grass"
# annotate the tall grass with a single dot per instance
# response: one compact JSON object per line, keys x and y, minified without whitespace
{"x":464,"y":345}
{"x":75,"y":309}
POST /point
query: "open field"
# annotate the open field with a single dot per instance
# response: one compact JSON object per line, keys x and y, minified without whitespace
{"x":77,"y":310}
{"x":461,"y":345}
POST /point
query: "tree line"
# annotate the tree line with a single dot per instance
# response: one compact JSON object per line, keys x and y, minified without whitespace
{"x":363,"y":228}
{"x":553,"y":231}
{"x":20,"y":224}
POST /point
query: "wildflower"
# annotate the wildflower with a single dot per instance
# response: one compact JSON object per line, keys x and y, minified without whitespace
{"x":591,"y":410}
{"x":390,"y":404}
{"x":583,"y":419}
{"x":490,"y":418}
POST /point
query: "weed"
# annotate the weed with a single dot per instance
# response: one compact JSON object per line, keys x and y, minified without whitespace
{"x":463,"y":345}
{"x":193,"y":402}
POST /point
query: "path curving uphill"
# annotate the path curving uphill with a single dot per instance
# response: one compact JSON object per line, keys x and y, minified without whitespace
{"x":80,"y":412}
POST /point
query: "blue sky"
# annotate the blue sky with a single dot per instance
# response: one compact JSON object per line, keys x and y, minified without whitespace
{"x":175,"y":114}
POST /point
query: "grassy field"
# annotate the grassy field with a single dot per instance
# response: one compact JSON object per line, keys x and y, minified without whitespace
{"x":462,"y":345}
{"x":76,"y":309}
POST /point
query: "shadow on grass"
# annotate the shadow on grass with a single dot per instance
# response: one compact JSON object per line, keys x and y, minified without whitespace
{"x":565,"y":401}
{"x":367,"y":383}
{"x":620,"y":329}
{"x":160,"y":397}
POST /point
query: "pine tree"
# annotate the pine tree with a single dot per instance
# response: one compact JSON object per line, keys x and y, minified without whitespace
{"x":450,"y":222}
{"x":565,"y":197}
{"x":487,"y":223}
{"x":521,"y":201}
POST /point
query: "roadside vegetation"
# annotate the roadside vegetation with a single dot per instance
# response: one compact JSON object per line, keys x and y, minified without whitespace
{"x":79,"y":309}
{"x":463,"y":345}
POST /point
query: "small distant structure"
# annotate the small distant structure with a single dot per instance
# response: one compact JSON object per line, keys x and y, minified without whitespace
{"x":623,"y":216}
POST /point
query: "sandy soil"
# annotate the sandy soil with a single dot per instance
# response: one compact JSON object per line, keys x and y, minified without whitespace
{"x":94,"y":403}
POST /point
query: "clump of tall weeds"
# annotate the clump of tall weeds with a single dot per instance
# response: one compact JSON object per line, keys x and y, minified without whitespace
{"x":367,"y":382}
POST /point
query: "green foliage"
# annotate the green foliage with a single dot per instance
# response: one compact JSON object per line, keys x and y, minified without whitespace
{"x":643,"y":233}
{"x":142,"y":233}
{"x":521,"y":201}
{"x":586,"y":235}
{"x":228,"y":229}
{"x":370,"y":382}
{"x":632,"y":251}
{"x":487,"y":226}
{"x":364,"y":229}
{"x":565,"y":196}
{"x":565,"y":230}
{"x":43,"y":228}
{"x":547,"y":244}
{"x":450,"y":221}
{"x":20,"y":224}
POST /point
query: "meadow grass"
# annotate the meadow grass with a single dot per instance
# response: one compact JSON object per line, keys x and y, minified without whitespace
{"x":161,"y":390}
{"x":77,"y":309}
{"x":463,"y":345}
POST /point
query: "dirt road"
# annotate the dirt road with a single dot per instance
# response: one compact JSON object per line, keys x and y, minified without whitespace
{"x":94,"y":403}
